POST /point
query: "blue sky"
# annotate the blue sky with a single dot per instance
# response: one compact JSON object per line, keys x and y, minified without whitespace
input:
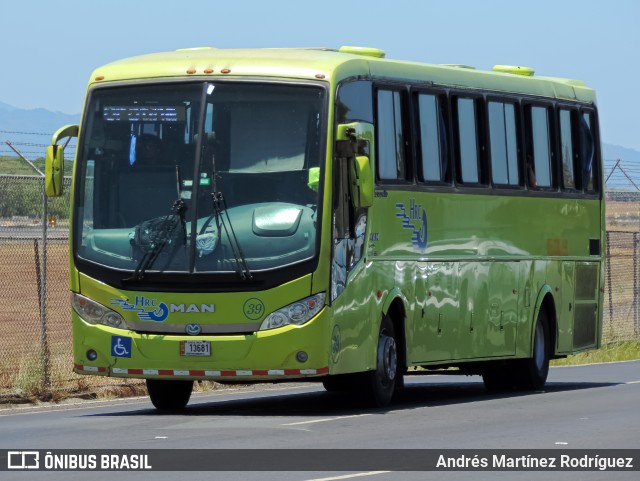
{"x":49,"y":49}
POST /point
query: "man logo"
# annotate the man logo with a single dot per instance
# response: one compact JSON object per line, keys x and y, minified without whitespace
{"x":192,"y":308}
{"x":193,"y":329}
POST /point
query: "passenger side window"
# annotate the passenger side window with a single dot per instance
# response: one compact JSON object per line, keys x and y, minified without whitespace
{"x":433,"y":160}
{"x":503,"y":144}
{"x":467,"y":141}
{"x":538,"y":158}
{"x":354,"y":102}
{"x":567,"y":150}
{"x":587,"y":153}
{"x":391,"y":153}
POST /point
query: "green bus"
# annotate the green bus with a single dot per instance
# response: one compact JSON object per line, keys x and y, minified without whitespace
{"x":262,"y":215}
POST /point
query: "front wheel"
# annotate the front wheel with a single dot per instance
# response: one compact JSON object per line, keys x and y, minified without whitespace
{"x":380,"y":383}
{"x":169,"y":395}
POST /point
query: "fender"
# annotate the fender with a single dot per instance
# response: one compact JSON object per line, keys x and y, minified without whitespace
{"x":542,"y":293}
{"x":390,"y":297}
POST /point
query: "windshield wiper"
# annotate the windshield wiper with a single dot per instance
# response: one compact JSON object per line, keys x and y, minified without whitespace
{"x":223,"y":221}
{"x":153,"y":235}
{"x":220,"y":212}
{"x":157,"y":233}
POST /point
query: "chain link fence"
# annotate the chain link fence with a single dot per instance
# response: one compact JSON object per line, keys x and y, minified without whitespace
{"x":35,"y":323}
{"x":622,"y":275}
{"x":35,"y":326}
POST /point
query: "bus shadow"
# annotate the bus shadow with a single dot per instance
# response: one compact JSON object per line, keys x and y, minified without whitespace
{"x":321,"y":403}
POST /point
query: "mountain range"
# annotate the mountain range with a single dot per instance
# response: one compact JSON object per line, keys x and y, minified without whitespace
{"x":30,"y":130}
{"x":14,"y":119}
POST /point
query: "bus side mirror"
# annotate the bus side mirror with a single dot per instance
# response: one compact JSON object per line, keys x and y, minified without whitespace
{"x":348,"y":137}
{"x":361,"y":182}
{"x":54,"y":161}
{"x":54,"y":170}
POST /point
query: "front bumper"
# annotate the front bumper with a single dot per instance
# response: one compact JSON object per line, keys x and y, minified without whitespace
{"x":259,"y":356}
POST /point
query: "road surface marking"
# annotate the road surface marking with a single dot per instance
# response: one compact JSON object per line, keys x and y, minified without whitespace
{"x":633,"y":382}
{"x":348,"y":476}
{"x":326,"y":420}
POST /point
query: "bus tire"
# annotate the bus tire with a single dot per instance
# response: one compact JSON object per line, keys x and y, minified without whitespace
{"x":169,"y":395}
{"x":381,"y":382}
{"x":531,"y":374}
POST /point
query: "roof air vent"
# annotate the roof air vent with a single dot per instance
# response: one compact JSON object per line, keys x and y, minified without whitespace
{"x":194,"y":48}
{"x":514,"y":69}
{"x":366,"y":51}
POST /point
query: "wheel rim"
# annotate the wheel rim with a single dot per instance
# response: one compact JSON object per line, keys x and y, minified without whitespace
{"x":387,"y":359}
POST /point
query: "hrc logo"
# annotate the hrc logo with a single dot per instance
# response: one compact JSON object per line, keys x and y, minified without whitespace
{"x":414,"y":219}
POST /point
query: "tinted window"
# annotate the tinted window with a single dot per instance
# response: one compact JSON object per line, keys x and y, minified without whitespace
{"x":432,"y":157}
{"x":390,"y":135}
{"x":587,"y":152}
{"x":503,"y":142}
{"x":566,"y":150}
{"x":538,"y":160}
{"x":468,"y":141}
{"x":354,"y":102}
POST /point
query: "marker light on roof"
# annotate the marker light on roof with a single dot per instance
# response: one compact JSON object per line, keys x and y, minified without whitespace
{"x":225,"y":70}
{"x":191,"y":71}
{"x":208,"y":70}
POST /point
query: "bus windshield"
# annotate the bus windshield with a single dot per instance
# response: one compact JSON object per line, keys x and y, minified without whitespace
{"x":199,"y":177}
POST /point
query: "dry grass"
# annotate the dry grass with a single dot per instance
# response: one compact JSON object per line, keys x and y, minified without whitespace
{"x":619,"y":351}
{"x":21,"y":373}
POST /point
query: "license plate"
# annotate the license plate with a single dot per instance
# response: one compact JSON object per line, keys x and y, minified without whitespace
{"x":195,"y":348}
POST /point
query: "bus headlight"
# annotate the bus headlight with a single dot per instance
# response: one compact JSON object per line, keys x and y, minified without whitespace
{"x":297,"y":313}
{"x":94,"y":313}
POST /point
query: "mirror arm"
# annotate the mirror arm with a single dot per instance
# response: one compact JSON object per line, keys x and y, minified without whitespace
{"x":66,"y":131}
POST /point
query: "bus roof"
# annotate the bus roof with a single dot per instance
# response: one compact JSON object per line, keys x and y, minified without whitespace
{"x":333,"y":65}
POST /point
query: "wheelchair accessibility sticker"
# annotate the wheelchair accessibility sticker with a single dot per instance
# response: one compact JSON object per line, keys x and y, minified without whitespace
{"x":120,"y":346}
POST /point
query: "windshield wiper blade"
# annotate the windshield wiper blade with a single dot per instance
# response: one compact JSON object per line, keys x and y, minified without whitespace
{"x":221,"y":213}
{"x":161,"y":232}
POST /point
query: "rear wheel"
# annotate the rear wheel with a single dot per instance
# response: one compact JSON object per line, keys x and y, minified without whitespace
{"x":531,"y":374}
{"x":169,"y":395}
{"x":524,"y":374}
{"x":379,"y":384}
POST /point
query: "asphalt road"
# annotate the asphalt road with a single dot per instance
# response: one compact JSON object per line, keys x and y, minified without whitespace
{"x":25,"y":233}
{"x":588,"y":407}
